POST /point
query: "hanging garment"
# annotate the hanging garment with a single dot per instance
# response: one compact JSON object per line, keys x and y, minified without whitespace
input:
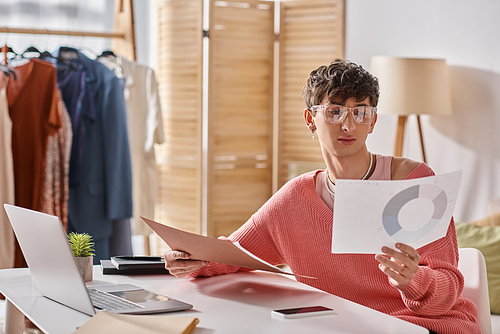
{"x":33,"y":109}
{"x":100,"y":188}
{"x":7,"y":179}
{"x":56,"y":188}
{"x":32,"y":100}
{"x":145,"y":128}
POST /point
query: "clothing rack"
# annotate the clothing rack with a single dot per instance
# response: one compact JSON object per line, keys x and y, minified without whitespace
{"x":60,"y":32}
{"x":123,"y":31}
{"x":123,"y":42}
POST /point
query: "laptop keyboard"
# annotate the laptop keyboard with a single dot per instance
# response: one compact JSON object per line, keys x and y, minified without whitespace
{"x":106,"y":301}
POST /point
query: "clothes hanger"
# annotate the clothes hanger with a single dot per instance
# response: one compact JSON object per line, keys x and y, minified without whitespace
{"x":107,"y":53}
{"x":67,"y":53}
{"x":66,"y":60}
{"x":10,"y":50}
{"x":6,"y":50}
{"x":4,"y":67}
{"x":46,"y":54}
{"x":31,"y":49}
{"x":85,"y":50}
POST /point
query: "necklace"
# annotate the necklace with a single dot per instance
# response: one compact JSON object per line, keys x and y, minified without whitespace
{"x":369,"y":168}
{"x":328,"y":181}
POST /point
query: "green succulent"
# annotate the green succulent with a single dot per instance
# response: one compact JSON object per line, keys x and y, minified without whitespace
{"x":81,"y":244}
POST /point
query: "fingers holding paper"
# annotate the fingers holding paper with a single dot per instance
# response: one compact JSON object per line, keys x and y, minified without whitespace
{"x":401,"y":266}
{"x":180,"y":265}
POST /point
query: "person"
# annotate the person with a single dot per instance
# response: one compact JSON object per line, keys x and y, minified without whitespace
{"x":294,"y":226}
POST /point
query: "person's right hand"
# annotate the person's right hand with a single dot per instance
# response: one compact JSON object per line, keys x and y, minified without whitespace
{"x":179,"y":264}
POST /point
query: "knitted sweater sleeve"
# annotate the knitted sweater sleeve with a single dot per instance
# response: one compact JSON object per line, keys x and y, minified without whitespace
{"x":438,"y":283}
{"x":252,"y":239}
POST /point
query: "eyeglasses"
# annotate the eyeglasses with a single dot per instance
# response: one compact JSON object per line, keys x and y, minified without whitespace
{"x":336,"y":114}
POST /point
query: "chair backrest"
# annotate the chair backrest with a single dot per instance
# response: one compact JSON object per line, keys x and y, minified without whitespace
{"x":472,"y":265}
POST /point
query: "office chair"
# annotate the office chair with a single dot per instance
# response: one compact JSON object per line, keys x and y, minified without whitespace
{"x":472,"y":265}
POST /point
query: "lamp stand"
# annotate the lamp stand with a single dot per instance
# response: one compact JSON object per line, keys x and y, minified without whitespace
{"x":421,"y":138}
{"x":400,"y":134}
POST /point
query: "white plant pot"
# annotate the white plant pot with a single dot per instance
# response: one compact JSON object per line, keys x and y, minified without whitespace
{"x":85,"y":267}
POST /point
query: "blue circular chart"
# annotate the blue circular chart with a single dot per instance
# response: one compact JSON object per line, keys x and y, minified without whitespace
{"x":391,"y":211}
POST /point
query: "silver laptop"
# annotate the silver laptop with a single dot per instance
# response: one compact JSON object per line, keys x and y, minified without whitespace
{"x":47,"y":251}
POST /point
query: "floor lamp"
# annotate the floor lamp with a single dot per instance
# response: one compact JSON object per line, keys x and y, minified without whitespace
{"x":411,"y":86}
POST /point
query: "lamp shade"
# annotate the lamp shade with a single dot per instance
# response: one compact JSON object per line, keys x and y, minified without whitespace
{"x":412,"y":86}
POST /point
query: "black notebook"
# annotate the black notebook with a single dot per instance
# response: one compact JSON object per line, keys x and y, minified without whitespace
{"x":108,"y":269}
{"x":124,"y":262}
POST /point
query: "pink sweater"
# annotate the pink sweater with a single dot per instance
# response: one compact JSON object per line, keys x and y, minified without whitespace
{"x":295,"y":227}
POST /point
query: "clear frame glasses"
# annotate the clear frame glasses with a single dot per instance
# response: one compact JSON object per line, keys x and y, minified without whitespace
{"x":336,"y":113}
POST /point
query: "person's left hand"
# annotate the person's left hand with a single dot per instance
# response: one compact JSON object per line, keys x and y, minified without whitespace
{"x":400,"y":266}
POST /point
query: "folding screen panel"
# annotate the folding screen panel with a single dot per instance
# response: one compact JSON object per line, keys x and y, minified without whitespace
{"x":240,"y":112}
{"x":180,"y":37}
{"x":311,"y":34}
{"x":239,"y":124}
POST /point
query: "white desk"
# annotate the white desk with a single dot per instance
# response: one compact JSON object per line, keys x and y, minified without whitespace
{"x":236,"y":303}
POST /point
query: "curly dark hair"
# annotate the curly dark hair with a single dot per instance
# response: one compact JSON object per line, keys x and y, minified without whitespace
{"x":341,"y":78}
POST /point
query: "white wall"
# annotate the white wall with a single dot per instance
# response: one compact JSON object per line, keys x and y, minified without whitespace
{"x":467,"y":34}
{"x":145,"y":31}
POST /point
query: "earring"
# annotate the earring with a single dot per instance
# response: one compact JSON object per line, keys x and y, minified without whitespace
{"x":312,"y":130}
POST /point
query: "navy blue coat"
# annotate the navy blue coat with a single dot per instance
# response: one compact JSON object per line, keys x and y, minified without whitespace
{"x":100,"y":168}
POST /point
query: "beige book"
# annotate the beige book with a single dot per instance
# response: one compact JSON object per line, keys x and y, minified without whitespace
{"x":107,"y":322}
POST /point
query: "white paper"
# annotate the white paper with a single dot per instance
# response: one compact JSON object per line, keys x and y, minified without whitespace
{"x":372,"y":214}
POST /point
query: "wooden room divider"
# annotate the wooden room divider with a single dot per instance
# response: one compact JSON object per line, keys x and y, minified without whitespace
{"x":213,"y":176}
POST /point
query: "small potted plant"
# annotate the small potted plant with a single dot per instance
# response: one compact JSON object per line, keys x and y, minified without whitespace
{"x":83,"y":250}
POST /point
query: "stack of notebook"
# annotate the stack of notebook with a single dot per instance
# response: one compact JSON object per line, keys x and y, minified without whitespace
{"x":134,"y":265}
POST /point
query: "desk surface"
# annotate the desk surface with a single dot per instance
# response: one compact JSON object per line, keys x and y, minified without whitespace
{"x":236,"y":303}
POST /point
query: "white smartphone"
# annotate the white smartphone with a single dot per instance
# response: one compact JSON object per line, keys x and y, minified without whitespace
{"x":300,"y":312}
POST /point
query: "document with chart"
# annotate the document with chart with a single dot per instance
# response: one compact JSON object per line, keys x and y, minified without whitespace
{"x":370,"y":214}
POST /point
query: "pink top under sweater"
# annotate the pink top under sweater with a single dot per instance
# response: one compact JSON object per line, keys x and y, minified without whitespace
{"x":295,"y":227}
